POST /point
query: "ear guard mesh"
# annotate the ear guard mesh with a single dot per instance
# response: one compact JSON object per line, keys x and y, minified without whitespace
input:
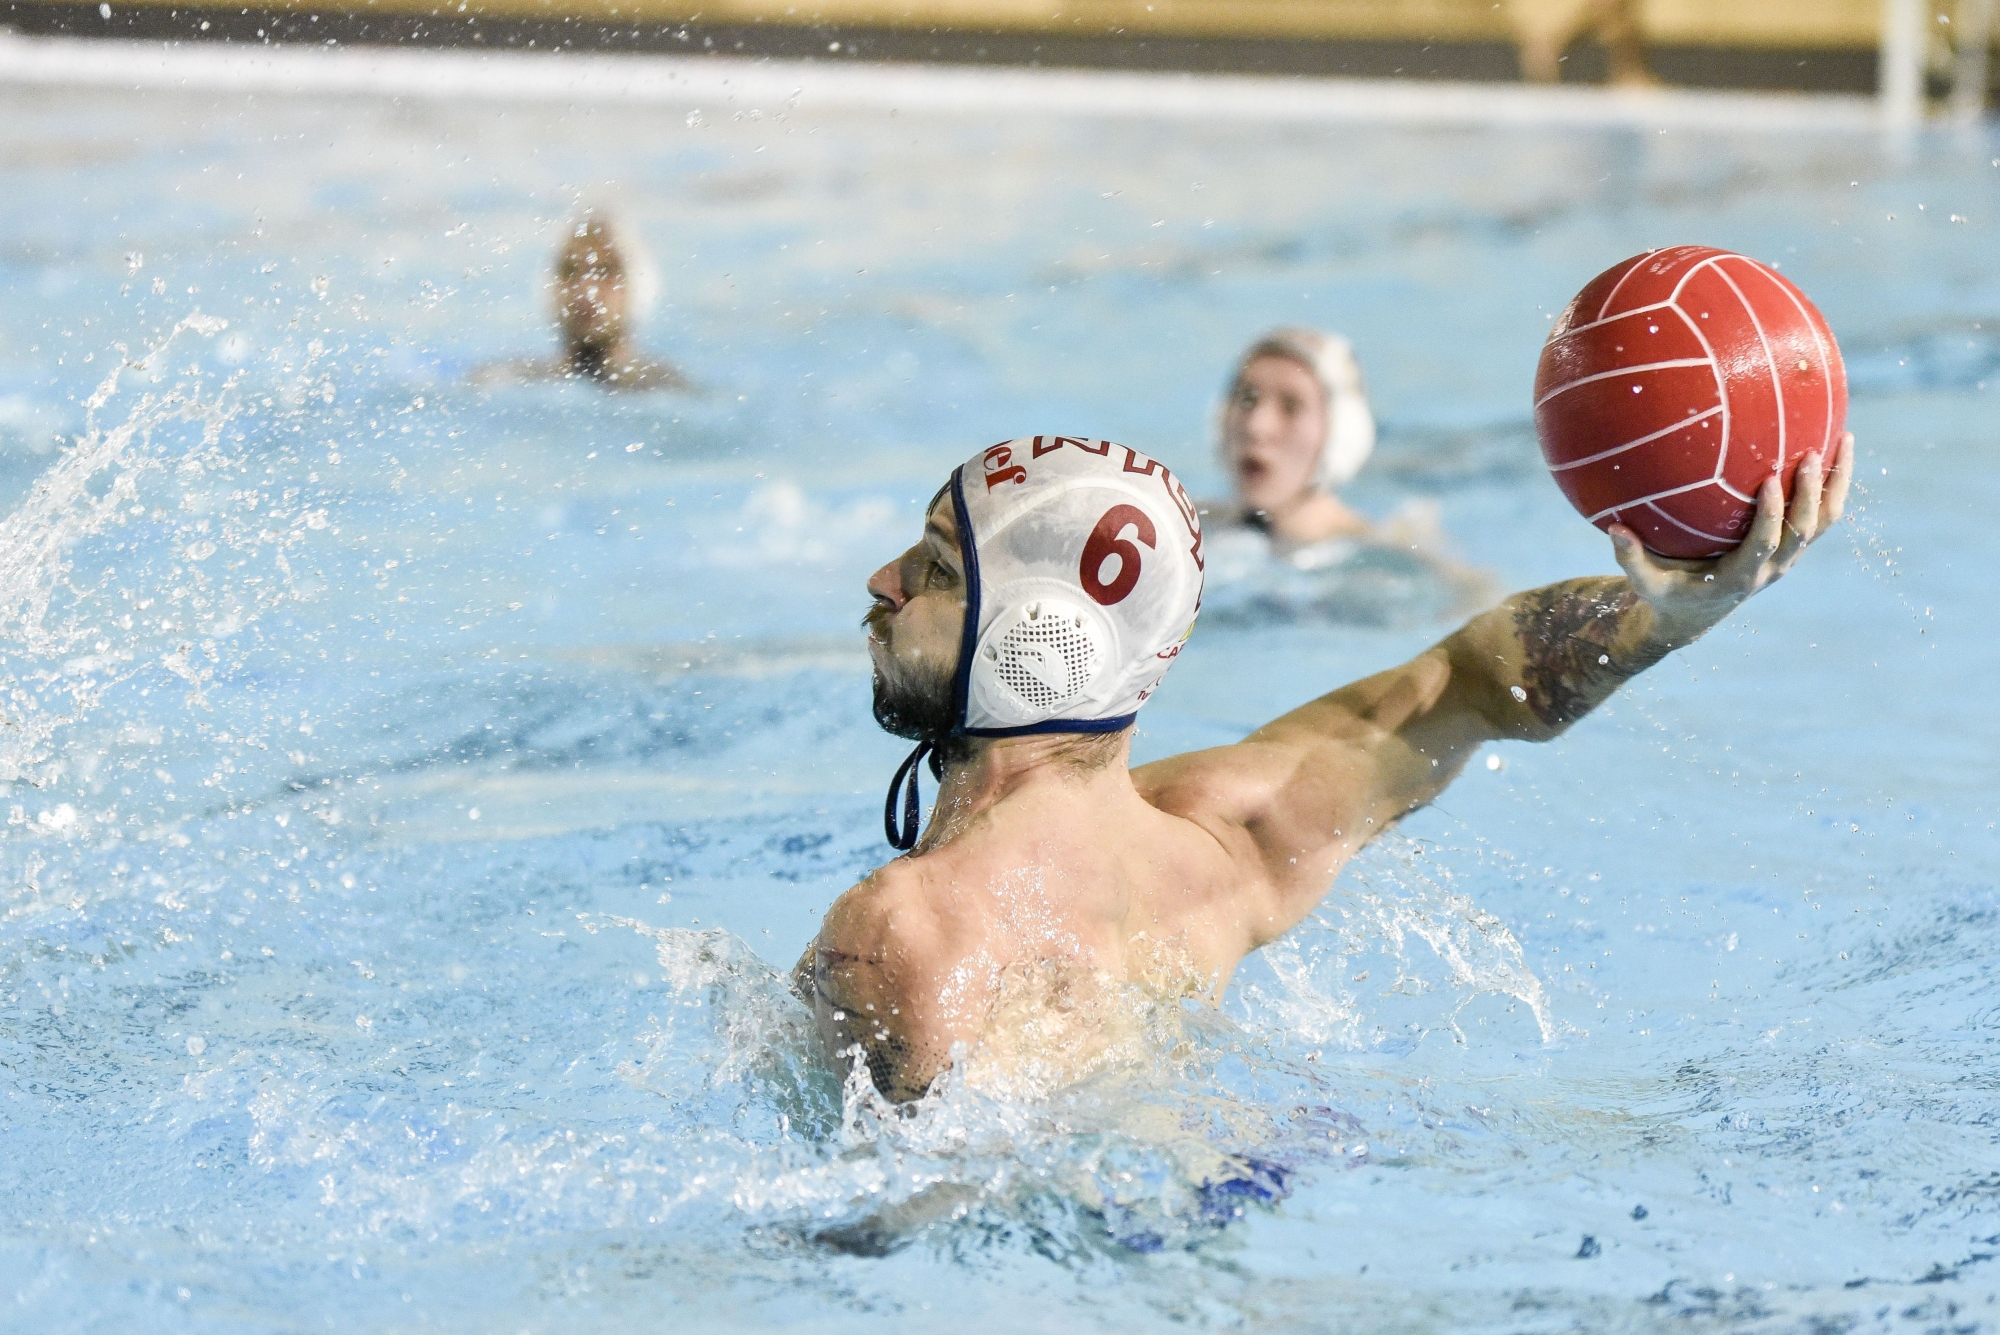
{"x":1040,"y":656}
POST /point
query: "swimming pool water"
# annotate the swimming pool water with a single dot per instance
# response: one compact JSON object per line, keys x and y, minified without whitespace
{"x":414,"y":795}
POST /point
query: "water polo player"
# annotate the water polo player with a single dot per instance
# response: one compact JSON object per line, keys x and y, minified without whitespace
{"x":1294,"y":428}
{"x":1053,"y":586}
{"x":596,"y":290}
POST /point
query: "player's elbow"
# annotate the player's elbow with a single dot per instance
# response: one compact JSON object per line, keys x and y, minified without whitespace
{"x":1483,"y":695}
{"x":1508,"y":711}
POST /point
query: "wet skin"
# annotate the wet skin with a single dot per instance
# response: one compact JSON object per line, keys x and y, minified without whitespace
{"x":1051,"y":850}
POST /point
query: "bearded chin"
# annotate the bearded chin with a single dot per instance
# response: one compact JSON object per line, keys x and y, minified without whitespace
{"x":916,"y":707}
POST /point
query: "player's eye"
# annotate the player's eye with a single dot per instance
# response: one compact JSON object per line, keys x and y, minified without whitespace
{"x":937,"y":577}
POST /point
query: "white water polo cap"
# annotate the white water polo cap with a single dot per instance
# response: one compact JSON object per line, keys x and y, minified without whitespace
{"x":1083,"y":568}
{"x":1083,"y":571}
{"x":1350,"y":423}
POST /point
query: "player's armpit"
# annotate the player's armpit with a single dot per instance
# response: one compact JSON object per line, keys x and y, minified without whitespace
{"x":1311,"y":788}
{"x":1298,"y":797}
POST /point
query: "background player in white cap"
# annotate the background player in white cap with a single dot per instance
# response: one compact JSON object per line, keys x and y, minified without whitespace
{"x":1054,"y":584}
{"x":1295,"y":427}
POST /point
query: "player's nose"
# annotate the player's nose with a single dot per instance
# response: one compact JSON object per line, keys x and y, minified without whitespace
{"x":1263,"y":422}
{"x":886,"y":585}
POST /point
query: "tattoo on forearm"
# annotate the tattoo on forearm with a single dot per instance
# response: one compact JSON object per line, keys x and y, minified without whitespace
{"x":1570,"y":659}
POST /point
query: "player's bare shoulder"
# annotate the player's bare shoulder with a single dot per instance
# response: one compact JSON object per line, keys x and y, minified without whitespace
{"x":873,"y":978}
{"x":882,"y":918}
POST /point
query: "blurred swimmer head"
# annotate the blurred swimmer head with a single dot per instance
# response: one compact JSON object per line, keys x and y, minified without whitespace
{"x":599,"y":285}
{"x":1053,"y":587}
{"x":1296,"y":419}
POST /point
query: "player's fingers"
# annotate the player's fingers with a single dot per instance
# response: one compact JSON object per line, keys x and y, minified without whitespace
{"x":1802,"y":515}
{"x":1834,"y":503}
{"x":1648,"y":578}
{"x":1745,"y":566}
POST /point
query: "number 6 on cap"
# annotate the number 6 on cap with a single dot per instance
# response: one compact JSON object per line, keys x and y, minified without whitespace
{"x":1108,"y":540}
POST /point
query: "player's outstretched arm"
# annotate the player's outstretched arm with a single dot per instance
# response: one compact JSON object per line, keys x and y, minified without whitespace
{"x":1562,"y":650}
{"x":1302,"y":794}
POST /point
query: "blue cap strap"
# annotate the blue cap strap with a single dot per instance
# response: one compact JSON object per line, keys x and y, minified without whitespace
{"x":903,"y":837}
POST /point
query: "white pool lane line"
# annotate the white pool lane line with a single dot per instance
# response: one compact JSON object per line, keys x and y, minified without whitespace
{"x":737,"y":83}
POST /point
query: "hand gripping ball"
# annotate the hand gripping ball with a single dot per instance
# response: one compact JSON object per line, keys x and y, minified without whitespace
{"x":1674,"y":384}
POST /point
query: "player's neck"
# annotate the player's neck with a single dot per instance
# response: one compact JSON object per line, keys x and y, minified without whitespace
{"x":596,"y":361}
{"x":1012,"y":769}
{"x":1314,"y":515}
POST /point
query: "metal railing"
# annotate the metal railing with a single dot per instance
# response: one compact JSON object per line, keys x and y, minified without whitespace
{"x":1920,"y":38}
{"x":1922,"y":44}
{"x":1971,"y":69}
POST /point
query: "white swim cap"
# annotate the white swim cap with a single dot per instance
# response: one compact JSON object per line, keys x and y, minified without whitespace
{"x":1083,"y":568}
{"x":1083,"y":576}
{"x":1350,"y":426}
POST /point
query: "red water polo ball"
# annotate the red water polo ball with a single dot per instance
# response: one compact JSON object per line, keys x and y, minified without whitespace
{"x":1674,"y":384}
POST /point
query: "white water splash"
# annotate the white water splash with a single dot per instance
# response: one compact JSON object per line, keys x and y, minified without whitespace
{"x":168,"y":599}
{"x":1133,"y":1145}
{"x":92,"y":486}
{"x":1331,"y":990}
{"x":751,"y":1019}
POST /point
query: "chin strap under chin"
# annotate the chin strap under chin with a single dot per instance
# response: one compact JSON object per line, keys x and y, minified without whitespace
{"x":903,"y":837}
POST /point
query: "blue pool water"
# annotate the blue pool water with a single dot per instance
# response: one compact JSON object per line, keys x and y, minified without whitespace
{"x":413,"y":795}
